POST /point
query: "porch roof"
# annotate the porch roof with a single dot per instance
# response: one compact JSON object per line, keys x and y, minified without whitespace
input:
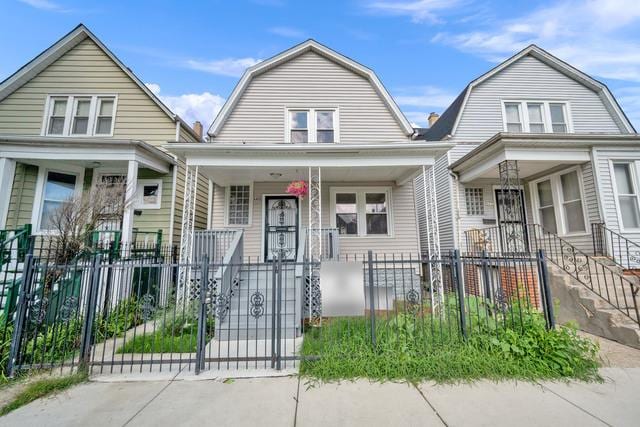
{"x":233,"y":163}
{"x":535,"y":153}
{"x":85,"y":151}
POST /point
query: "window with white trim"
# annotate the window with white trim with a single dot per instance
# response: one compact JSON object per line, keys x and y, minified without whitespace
{"x":361,"y":211}
{"x":58,"y":188}
{"x":559,"y":200}
{"x":239,"y":205}
{"x":538,"y":117}
{"x":79,"y":115}
{"x":312,"y":125}
{"x":474,"y":201}
{"x":149,"y":194}
{"x":627,"y":194}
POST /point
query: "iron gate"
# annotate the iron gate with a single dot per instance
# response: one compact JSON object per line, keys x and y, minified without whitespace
{"x":111,"y":320}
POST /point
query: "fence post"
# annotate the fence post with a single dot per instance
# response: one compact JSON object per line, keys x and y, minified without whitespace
{"x":274,"y":271}
{"x":90,"y":311}
{"x":547,"y":300}
{"x":372,"y":304}
{"x":21,"y":311}
{"x":202,"y":314}
{"x":279,"y":312}
{"x":457,"y":267}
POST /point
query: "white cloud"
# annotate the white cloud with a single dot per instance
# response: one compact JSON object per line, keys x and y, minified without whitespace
{"x":424,"y":96}
{"x":288,"y":32}
{"x":192,"y":106}
{"x":43,"y":5}
{"x":233,"y":67}
{"x":417,"y":10}
{"x":591,"y":35}
{"x":418,"y":119}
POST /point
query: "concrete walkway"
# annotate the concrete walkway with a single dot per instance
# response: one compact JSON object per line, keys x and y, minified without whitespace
{"x":289,"y":401}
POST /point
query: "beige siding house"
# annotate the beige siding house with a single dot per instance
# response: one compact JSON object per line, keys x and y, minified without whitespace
{"x":76,"y":115}
{"x":311,"y":114}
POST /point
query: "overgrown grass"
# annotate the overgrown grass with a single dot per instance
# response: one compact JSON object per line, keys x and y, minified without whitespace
{"x":42,"y":388}
{"x":173,"y":336}
{"x":418,"y":348}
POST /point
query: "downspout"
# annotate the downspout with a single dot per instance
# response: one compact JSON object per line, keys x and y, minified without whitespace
{"x":172,"y":213}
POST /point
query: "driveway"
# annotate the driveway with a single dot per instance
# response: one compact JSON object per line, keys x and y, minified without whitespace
{"x":289,"y":401}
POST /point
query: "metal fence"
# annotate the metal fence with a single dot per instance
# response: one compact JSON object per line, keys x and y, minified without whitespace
{"x":124,"y":316}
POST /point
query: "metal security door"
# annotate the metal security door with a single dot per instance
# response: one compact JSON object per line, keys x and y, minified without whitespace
{"x":511,"y":221}
{"x":281,"y":228}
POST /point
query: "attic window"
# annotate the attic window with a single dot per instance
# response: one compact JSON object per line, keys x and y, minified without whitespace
{"x":312,"y":125}
{"x":79,"y":115}
{"x":536,"y":117}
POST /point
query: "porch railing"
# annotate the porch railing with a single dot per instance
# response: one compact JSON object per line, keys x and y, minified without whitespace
{"x":214,"y":243}
{"x":602,"y":279}
{"x":330,"y":238}
{"x":624,"y":252}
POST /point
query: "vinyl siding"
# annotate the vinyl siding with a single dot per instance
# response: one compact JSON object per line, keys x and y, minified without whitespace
{"x":529,"y":78}
{"x":310,"y":80}
{"x":604,"y":158}
{"x":404,"y":240}
{"x":22,"y":194}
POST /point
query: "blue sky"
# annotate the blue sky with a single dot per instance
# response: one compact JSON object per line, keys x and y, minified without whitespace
{"x":425,"y":51}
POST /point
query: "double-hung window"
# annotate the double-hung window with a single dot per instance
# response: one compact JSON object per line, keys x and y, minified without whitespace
{"x":560,"y":202}
{"x":361,"y":211}
{"x":627,"y":194}
{"x":536,"y":117}
{"x":56,"y":188}
{"x":79,"y":115}
{"x":318,"y":126}
{"x":239,"y":205}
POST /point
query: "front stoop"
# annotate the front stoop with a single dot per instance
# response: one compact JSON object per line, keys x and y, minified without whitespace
{"x":592,"y":313}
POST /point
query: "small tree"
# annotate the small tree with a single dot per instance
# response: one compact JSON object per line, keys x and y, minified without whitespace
{"x":74,"y":220}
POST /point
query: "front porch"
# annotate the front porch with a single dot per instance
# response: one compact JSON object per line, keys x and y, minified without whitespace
{"x":40,"y":173}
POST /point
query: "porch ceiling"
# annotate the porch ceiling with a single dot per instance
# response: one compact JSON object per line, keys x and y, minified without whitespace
{"x":227,"y":175}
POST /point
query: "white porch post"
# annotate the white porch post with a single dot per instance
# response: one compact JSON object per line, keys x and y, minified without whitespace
{"x":315,"y":214}
{"x":433,"y":235}
{"x":7,"y":173}
{"x":127,"y":218}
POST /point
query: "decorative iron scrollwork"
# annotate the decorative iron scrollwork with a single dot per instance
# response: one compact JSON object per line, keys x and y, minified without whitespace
{"x":147,"y":306}
{"x":257,"y":305}
{"x":412,"y":298}
{"x":313,"y":297}
{"x":38,"y":310}
{"x":69,"y":307}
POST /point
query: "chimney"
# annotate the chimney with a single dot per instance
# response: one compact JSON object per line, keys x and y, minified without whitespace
{"x":433,"y":117}
{"x":197,"y":127}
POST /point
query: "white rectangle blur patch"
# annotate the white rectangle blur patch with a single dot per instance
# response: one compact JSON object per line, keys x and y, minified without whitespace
{"x":342,"y":289}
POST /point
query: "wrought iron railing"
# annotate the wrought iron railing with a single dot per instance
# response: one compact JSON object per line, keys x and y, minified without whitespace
{"x":604,"y":280}
{"x":624,"y":252}
{"x":330,"y":243}
{"x":214,"y":243}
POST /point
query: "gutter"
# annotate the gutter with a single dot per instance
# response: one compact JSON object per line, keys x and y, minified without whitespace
{"x":310,"y":148}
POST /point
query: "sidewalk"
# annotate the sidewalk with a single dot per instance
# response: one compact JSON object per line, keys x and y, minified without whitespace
{"x":288,"y":401}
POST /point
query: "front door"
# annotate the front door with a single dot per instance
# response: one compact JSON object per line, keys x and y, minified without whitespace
{"x":511,"y":221}
{"x":281,"y":227}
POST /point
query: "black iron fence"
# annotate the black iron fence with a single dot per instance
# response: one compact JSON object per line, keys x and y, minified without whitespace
{"x":608,"y":281}
{"x":126,"y":315}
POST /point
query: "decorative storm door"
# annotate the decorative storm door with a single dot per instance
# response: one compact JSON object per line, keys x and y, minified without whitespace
{"x":281,"y":227}
{"x":511,"y":221}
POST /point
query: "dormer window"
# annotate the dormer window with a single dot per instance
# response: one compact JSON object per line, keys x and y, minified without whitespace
{"x":79,"y":115}
{"x":318,"y":126}
{"x":536,"y":117}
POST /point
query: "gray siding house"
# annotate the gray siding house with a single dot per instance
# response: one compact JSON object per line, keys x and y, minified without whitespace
{"x":311,"y":114}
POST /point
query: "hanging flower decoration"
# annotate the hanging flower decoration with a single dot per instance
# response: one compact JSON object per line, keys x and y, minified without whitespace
{"x":298,"y":188}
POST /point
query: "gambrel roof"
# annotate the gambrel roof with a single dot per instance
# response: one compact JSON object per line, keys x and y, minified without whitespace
{"x":448,"y":122}
{"x":287,"y":55}
{"x":61,"y":47}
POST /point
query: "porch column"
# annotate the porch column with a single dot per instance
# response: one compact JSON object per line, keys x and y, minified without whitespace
{"x":7,"y":173}
{"x":433,"y":236}
{"x":510,"y":207}
{"x":315,"y":214}
{"x":130,"y":194}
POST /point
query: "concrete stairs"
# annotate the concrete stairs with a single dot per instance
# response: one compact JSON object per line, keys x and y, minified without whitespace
{"x":252,"y":314}
{"x":593,"y":313}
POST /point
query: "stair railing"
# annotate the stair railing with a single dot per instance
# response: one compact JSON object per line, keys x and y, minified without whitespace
{"x":602,"y":279}
{"x":228,"y":273}
{"x":624,"y":252}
